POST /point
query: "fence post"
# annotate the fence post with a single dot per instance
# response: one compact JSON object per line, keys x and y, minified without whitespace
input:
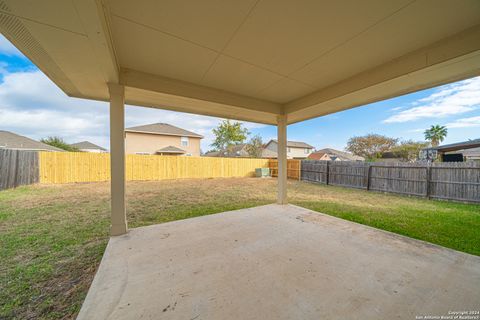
{"x":369,"y":172}
{"x":299,"y":170}
{"x":328,"y":173}
{"x":428,"y":177}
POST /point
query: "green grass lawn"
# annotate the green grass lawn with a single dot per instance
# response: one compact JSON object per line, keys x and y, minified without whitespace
{"x":52,"y":237}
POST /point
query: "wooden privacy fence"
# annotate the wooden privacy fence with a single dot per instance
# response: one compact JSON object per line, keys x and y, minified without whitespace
{"x":451,"y":181}
{"x":18,"y":168}
{"x":293,"y":168}
{"x":69,"y":167}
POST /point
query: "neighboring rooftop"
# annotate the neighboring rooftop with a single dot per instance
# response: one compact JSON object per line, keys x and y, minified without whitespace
{"x":86,"y":145}
{"x":237,"y":150}
{"x":342,"y":155}
{"x":10,"y":140}
{"x":171,"y":149}
{"x":212,"y":154}
{"x":267,"y":153}
{"x":459,"y":145}
{"x":165,"y":129}
{"x":295,"y":144}
{"x":316,"y":155}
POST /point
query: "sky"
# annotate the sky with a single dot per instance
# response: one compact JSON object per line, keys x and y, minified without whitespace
{"x":33,"y":106}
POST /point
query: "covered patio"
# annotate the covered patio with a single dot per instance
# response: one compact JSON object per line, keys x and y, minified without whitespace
{"x":277,"y":262}
{"x":272,"y":62}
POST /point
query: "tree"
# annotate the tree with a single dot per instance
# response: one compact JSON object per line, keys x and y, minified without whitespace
{"x":409,"y":150}
{"x":59,"y":143}
{"x":255,"y":147}
{"x":436,"y":134}
{"x":370,"y":146}
{"x":228,"y":134}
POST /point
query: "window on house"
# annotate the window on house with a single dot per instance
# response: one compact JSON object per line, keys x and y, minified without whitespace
{"x":184,"y":141}
{"x":307,"y":150}
{"x":188,"y":155}
{"x":289,"y":150}
{"x":142,"y":153}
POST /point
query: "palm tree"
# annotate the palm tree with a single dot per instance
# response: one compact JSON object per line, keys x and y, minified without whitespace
{"x":436,"y":134}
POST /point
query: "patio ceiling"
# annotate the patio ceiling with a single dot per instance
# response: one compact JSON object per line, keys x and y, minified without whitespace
{"x":249,"y":60}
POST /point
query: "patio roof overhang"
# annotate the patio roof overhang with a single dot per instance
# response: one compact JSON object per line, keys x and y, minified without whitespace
{"x":248,"y":60}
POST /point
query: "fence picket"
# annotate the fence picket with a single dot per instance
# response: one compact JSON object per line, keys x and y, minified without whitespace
{"x":17,"y":168}
{"x":70,"y":167}
{"x":455,"y":181}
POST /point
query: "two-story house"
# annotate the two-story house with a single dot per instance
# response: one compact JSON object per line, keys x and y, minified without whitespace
{"x":162,"y":139}
{"x":295,"y":149}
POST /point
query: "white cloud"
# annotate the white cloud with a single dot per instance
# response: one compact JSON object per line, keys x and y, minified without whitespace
{"x":7,"y":48}
{"x":465,"y":123}
{"x":448,"y":100}
{"x":416,"y":130}
{"x":31,"y":105}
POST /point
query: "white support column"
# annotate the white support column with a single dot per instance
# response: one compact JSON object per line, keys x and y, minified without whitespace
{"x":282,"y":159}
{"x":117,"y":159}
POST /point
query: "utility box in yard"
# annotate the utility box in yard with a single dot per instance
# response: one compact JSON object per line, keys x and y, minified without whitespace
{"x":262,"y":172}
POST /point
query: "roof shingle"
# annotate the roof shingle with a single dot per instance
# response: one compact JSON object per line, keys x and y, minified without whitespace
{"x":10,"y":140}
{"x":295,"y":144}
{"x":345,"y":156}
{"x":163,"y":128}
{"x":171,"y":149}
{"x":86,"y":145}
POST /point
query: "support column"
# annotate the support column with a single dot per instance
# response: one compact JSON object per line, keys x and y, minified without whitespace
{"x":117,"y":159}
{"x":282,"y":159}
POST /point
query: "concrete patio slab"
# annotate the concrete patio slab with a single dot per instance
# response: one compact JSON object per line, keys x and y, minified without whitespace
{"x":277,"y":262}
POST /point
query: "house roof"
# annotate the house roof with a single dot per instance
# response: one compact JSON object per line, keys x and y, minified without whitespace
{"x":212,"y":154}
{"x":163,"y":129}
{"x":390,"y":155}
{"x":267,"y":153}
{"x":232,"y":151}
{"x":458,"y":146}
{"x":171,"y":149}
{"x":87,"y":145}
{"x":342,"y":155}
{"x":316,"y":155}
{"x":295,"y":144}
{"x":10,"y":140}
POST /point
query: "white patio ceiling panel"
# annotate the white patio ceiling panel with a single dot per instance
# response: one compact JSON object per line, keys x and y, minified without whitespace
{"x":250,"y":60}
{"x":284,"y":36}
{"x":207,"y":23}
{"x":283,"y":90}
{"x":416,"y":25}
{"x":142,"y":48}
{"x":66,"y":17}
{"x":235,"y":75}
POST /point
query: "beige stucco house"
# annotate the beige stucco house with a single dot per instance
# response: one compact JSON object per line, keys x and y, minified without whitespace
{"x":162,"y":139}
